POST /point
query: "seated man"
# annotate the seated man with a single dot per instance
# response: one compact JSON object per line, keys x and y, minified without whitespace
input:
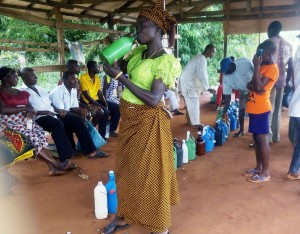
{"x":173,"y":101}
{"x":40,"y":101}
{"x":94,"y":113}
{"x":236,"y":75}
{"x":91,"y":93}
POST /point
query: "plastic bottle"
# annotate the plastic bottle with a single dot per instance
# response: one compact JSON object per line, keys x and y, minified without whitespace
{"x":117,"y":49}
{"x":209,"y":138}
{"x":107,"y":130}
{"x":179,"y":153}
{"x":191,"y":144}
{"x":111,"y":188}
{"x":200,"y":145}
{"x":100,"y":198}
{"x":175,"y":157}
{"x":185,"y":158}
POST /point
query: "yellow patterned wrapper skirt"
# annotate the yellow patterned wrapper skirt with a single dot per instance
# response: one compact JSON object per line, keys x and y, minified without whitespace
{"x":145,"y":174}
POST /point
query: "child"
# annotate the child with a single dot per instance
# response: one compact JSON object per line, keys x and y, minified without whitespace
{"x":259,"y":106}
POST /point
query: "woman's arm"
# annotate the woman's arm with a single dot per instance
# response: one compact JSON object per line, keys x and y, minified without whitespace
{"x":151,"y":98}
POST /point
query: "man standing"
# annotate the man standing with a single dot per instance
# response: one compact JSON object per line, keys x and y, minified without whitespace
{"x":283,"y":58}
{"x":236,"y":76}
{"x":193,"y":81}
{"x":294,"y":125}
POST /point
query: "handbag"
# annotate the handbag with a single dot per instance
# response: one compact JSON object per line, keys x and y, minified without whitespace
{"x":96,"y":137}
{"x":14,"y":146}
{"x":287,"y":96}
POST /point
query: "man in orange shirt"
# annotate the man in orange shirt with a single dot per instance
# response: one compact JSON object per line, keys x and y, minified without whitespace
{"x":259,"y":107}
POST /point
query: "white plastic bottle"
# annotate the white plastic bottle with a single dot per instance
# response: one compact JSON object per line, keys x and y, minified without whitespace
{"x":185,"y":152}
{"x":100,"y":198}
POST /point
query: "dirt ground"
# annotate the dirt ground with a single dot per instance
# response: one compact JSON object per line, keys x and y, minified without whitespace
{"x":215,"y":197}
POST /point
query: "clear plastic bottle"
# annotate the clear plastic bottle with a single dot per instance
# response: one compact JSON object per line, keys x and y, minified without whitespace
{"x":185,"y":152}
{"x":100,"y":198}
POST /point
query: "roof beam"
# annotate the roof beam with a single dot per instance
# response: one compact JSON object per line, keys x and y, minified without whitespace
{"x":85,"y":27}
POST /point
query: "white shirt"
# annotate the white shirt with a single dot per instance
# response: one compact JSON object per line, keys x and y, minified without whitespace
{"x":41,"y":101}
{"x":294,"y":107}
{"x":194,"y":75}
{"x":239,"y":79}
{"x":63,"y":99}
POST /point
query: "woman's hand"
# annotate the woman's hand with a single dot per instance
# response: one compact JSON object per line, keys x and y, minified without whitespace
{"x":112,"y":71}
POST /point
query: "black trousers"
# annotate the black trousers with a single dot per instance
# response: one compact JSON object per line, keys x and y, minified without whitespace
{"x":74,"y":124}
{"x":114,"y":113}
{"x":59,"y":136}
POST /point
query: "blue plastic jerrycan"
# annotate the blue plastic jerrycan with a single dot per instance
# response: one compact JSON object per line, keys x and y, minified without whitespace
{"x":233,"y":120}
{"x":209,"y":137}
{"x":112,"y":200}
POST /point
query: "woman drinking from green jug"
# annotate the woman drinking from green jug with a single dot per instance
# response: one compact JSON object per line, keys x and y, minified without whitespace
{"x":145,"y":174}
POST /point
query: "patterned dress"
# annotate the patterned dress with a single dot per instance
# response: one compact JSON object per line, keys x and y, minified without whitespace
{"x":18,"y":122}
{"x":145,"y":174}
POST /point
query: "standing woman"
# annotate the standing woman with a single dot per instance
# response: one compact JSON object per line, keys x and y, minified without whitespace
{"x":145,"y":175}
{"x":14,"y":109}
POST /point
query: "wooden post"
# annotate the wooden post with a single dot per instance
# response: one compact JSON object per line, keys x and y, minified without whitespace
{"x":60,"y":37}
{"x":226,"y":8}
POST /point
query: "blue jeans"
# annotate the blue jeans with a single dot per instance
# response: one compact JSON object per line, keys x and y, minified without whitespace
{"x":294,"y":136}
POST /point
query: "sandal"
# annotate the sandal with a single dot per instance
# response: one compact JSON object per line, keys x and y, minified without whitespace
{"x":56,"y":173}
{"x":250,"y":172}
{"x":292,"y":176}
{"x":257,"y":179}
{"x":99,"y":154}
{"x":113,"y":227}
{"x":239,"y":134}
{"x":69,"y":166}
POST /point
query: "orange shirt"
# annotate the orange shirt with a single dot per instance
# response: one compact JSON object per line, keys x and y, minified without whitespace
{"x":258,"y":104}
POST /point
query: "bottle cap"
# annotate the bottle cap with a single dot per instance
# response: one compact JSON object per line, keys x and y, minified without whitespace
{"x":100,"y":183}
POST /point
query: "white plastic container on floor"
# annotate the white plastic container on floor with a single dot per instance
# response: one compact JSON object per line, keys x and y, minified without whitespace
{"x":185,"y":152}
{"x":100,"y":198}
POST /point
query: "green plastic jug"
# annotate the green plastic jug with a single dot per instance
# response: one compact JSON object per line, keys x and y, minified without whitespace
{"x":220,"y":114}
{"x":175,"y":158}
{"x":191,"y":144}
{"x":116,"y":50}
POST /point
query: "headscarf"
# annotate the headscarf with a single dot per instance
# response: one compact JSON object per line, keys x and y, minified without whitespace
{"x":164,"y":20}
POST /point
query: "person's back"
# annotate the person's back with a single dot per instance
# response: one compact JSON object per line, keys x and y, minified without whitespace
{"x":283,"y":54}
{"x":239,"y":79}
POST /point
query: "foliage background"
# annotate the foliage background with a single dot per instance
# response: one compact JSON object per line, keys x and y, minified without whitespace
{"x":193,"y":39}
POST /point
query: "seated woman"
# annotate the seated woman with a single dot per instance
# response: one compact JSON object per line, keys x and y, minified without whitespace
{"x":15,"y":112}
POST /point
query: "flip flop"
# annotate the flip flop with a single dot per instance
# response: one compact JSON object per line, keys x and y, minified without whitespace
{"x":112,"y":227}
{"x":56,"y":173}
{"x":250,"y":172}
{"x":258,"y":179}
{"x":99,"y":154}
{"x":292,"y":176}
{"x":239,"y":134}
{"x":69,"y":166}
